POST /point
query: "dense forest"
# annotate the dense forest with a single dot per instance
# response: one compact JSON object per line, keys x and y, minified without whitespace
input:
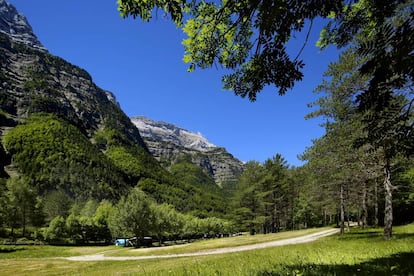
{"x":61,"y":176}
{"x":74,"y":169}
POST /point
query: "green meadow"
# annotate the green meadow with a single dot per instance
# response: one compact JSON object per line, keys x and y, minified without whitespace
{"x":359,"y":252}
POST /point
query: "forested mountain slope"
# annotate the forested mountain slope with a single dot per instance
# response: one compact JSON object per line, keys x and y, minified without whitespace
{"x":62,"y":132}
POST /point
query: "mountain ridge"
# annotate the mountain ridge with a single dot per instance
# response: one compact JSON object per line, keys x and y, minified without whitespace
{"x":169,"y":132}
{"x":169,"y":144}
{"x":16,"y":26}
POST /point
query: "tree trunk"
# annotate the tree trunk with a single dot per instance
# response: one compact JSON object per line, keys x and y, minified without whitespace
{"x":293,"y":216}
{"x":364,"y":218}
{"x":342,"y":210}
{"x":388,"y":202}
{"x":359,"y":218}
{"x":24,"y":220}
{"x":376,"y":220}
{"x":348,"y":211}
{"x":275,"y":226}
{"x":13,"y":223}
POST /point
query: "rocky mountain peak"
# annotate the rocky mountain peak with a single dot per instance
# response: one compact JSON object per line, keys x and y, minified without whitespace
{"x":167,"y":132}
{"x":169,"y":143}
{"x":16,"y":26}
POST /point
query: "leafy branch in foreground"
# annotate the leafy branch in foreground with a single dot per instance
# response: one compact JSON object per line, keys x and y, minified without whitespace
{"x":247,"y":37}
{"x":250,"y":37}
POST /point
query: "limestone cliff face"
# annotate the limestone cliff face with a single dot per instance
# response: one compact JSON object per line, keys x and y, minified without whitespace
{"x":16,"y":26}
{"x":32,"y":80}
{"x":162,"y":131}
{"x":169,"y":143}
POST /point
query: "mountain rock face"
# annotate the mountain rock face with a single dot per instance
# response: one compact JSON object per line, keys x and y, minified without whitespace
{"x":169,"y":143}
{"x":33,"y":81}
{"x":16,"y":26}
{"x":172,"y":134}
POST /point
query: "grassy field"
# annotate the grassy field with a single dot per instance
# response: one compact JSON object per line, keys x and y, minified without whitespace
{"x":360,"y":252}
{"x":213,"y":243}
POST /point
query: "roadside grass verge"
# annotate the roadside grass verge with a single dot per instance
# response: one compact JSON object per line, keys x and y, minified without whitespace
{"x":360,"y":252}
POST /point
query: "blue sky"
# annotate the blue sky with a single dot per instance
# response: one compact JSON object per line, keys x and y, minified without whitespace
{"x":141,"y":63}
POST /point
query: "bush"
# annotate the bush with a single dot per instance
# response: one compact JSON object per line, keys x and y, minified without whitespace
{"x":56,"y":232}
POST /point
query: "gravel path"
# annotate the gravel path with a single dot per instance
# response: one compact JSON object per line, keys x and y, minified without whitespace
{"x":297,"y":240}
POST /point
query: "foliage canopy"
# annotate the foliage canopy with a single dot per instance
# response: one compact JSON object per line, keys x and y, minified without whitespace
{"x":247,"y":37}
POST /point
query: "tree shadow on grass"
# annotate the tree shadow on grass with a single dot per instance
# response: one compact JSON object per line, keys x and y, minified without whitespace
{"x":369,"y":234}
{"x":10,"y":249}
{"x":403,"y":236}
{"x":363,"y":234}
{"x":398,"y":264}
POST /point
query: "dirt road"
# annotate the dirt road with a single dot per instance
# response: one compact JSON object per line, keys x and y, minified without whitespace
{"x":297,"y":240}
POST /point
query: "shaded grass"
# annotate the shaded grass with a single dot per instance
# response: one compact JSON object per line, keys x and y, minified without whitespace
{"x":48,"y":251}
{"x":361,"y":252}
{"x":396,"y":264}
{"x":9,"y":249}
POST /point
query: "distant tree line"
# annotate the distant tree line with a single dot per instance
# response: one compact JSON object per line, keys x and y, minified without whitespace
{"x":58,"y":219}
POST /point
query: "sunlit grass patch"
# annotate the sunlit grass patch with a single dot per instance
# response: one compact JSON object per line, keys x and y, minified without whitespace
{"x":360,"y":252}
{"x":209,"y":244}
{"x":49,"y":251}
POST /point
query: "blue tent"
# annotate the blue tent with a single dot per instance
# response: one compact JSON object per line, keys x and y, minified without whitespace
{"x":121,"y":242}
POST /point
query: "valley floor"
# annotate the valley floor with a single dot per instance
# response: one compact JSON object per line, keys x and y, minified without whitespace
{"x":297,"y":240}
{"x":305,"y":252}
